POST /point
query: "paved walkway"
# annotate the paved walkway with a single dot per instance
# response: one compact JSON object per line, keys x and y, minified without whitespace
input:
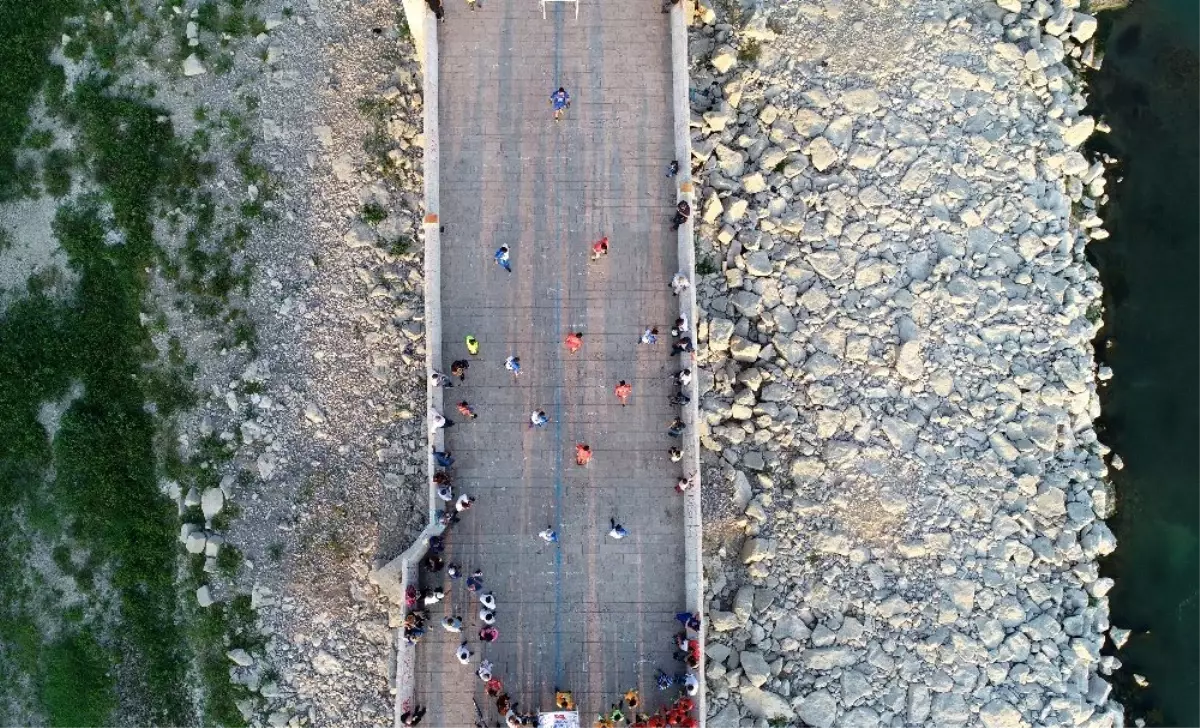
{"x":592,"y":614}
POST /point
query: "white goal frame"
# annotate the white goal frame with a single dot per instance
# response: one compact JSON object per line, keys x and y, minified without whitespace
{"x":560,"y":1}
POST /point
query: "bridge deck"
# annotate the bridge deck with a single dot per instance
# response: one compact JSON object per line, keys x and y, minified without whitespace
{"x":591,"y":614}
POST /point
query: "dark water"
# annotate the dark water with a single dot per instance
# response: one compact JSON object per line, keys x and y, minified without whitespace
{"x":1148,"y":92}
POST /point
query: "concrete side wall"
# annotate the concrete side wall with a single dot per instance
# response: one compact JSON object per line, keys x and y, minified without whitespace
{"x":395,"y":578}
{"x":693,"y":526}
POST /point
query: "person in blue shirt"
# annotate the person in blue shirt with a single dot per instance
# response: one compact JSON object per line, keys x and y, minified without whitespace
{"x":561,"y":101}
{"x":502,"y":258}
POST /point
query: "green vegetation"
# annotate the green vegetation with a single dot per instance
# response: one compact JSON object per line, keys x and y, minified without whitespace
{"x":28,"y":32}
{"x":749,"y":51}
{"x":400,"y":246}
{"x":373,"y":213}
{"x":56,"y":173}
{"x":90,"y":495}
{"x":705,"y":266}
{"x":78,"y":688}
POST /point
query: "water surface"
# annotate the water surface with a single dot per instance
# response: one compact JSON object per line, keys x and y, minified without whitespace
{"x":1147,"y":91}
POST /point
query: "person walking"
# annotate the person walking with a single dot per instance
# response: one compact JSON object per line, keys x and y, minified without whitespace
{"x":583,"y":454}
{"x":502,"y":258}
{"x":432,"y":596}
{"x":484,"y":671}
{"x":464,"y":653}
{"x":488,"y":600}
{"x":452,"y":624}
{"x":680,"y":399}
{"x":445,"y":492}
{"x":683,"y":211}
{"x":549,"y":535}
{"x":488,"y":633}
{"x":433,"y":563}
{"x":683,"y":378}
{"x":472,"y":345}
{"x":616,"y":531}
{"x":467,"y":410}
{"x":679,"y":283}
{"x":487,"y":616}
{"x":436,"y":544}
{"x":673,"y":168}
{"x":493,"y":688}
{"x":463,"y":503}
{"x":680,"y":327}
{"x":623,"y":390}
{"x":439,"y":11}
{"x":675,"y":454}
{"x":561,"y":101}
{"x":650,"y":335}
{"x":454,"y":571}
{"x":412,"y":717}
{"x":599,"y":248}
{"x":538,"y":418}
{"x":446,"y":517}
{"x":513,"y":364}
{"x":683,"y":484}
{"x":459,"y":369}
{"x":574,"y":341}
{"x":677,"y":427}
{"x":438,"y":379}
{"x":475,"y":581}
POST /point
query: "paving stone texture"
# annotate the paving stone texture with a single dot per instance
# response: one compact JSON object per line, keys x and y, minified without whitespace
{"x":590,"y":614}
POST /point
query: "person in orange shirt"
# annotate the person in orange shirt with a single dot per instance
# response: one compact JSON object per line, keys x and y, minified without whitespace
{"x":623,"y":390}
{"x":583,"y":454}
{"x":599,"y":248}
{"x":574,"y":341}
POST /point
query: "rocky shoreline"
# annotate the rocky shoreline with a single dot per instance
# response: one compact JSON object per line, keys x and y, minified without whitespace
{"x":900,"y":386}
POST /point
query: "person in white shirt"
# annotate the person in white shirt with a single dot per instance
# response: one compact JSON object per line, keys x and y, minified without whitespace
{"x":617,"y":531}
{"x":487,"y":600}
{"x":436,"y":420}
{"x":452,"y":624}
{"x":464,"y":653}
{"x":679,"y":283}
{"x":690,"y":684}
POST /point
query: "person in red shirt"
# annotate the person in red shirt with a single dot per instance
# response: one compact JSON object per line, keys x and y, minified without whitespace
{"x":467,"y":410}
{"x":599,"y":248}
{"x":583,"y":454}
{"x":623,"y":390}
{"x":574,"y":341}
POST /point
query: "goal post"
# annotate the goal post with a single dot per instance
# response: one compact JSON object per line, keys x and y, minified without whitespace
{"x":575,"y":2}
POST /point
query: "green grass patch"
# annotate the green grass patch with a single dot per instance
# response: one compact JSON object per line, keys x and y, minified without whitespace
{"x":77,"y":687}
{"x":373,"y":213}
{"x":27,"y":33}
{"x":56,"y":173}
